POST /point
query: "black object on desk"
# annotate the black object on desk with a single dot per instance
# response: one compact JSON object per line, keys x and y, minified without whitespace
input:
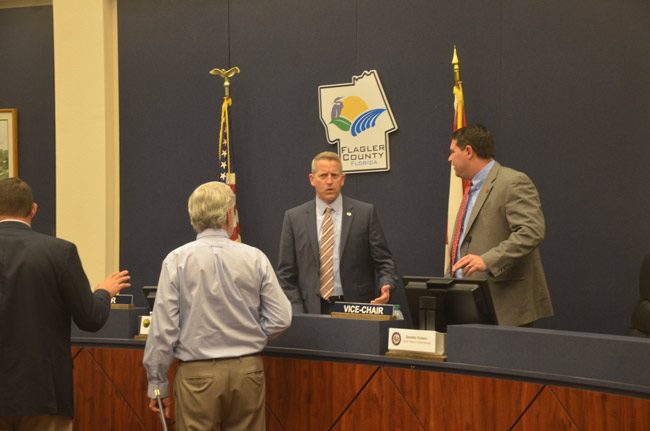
{"x":121,"y":323}
{"x":437,"y":302}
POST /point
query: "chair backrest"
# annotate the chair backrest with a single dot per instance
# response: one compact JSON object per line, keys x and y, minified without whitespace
{"x":644,"y":278}
{"x":641,"y":313}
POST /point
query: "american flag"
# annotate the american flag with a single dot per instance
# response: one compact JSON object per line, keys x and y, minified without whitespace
{"x":455,"y":183}
{"x":226,"y":173}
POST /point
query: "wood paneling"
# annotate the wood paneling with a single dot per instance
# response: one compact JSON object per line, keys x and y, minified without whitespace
{"x":111,"y":391}
{"x":99,"y":405}
{"x":546,"y":413}
{"x":598,"y":411}
{"x":456,"y":401}
{"x":272,"y":422}
{"x":379,"y":406}
{"x":312,"y":395}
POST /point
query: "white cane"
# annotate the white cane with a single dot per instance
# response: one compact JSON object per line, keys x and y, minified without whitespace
{"x":160,"y":407}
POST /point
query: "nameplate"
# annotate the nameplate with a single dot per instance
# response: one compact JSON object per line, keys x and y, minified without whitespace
{"x":361,"y":310}
{"x":122,"y":301}
{"x":416,"y":341}
{"x":145,"y":324}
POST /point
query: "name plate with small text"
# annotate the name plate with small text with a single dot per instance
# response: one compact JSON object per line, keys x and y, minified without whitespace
{"x":362,"y":310}
{"x":145,"y":324}
{"x":416,"y":342}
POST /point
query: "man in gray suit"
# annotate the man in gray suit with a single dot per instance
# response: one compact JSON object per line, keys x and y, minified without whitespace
{"x":362,"y":269}
{"x":500,"y":231}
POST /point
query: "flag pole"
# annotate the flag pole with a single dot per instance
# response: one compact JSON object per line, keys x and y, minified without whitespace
{"x":459,"y":108}
{"x":456,"y":64}
{"x":226,"y":75}
{"x":224,"y":129}
{"x":455,"y":183}
{"x":226,"y":173}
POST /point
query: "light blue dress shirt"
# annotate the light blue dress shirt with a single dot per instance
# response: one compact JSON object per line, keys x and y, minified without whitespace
{"x":477,"y":184}
{"x":216,"y":298}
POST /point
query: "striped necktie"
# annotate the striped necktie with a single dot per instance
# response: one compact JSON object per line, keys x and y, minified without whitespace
{"x":327,"y":255}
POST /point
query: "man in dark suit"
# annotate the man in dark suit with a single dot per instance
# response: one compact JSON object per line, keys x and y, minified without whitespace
{"x":499,"y":234}
{"x":362,"y":268}
{"x":42,"y":285}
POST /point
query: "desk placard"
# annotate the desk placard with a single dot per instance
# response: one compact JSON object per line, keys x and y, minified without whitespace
{"x":362,"y":310}
{"x":122,"y":301}
{"x":416,"y":341}
{"x":145,"y":324}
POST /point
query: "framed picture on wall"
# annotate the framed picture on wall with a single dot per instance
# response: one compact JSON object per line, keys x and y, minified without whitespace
{"x":8,"y":143}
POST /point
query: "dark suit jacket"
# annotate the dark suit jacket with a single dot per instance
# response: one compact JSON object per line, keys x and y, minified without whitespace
{"x":365,"y":261}
{"x":505,"y":228}
{"x":42,"y":285}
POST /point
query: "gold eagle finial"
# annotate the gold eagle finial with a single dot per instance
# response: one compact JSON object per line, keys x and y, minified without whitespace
{"x":226,"y":75}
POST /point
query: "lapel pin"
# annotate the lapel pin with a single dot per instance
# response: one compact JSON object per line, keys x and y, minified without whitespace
{"x":349,"y":214}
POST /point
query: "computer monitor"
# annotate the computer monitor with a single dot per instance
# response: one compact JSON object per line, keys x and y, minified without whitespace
{"x":139,"y":299}
{"x":150,"y":294}
{"x":437,"y":302}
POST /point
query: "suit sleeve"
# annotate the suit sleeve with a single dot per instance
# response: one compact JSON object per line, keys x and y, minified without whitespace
{"x":288,"y":267}
{"x":88,"y":310}
{"x":379,"y":252}
{"x":525,"y":219}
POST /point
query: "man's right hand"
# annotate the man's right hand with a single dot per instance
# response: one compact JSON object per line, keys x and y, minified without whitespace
{"x":115,"y":282}
{"x":167,"y":406}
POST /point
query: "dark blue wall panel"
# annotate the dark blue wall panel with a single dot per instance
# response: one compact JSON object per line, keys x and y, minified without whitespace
{"x":564,"y":85}
{"x":168,"y":121}
{"x":27,"y":84}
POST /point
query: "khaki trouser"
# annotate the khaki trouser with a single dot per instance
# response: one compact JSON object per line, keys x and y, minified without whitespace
{"x":32,"y":423}
{"x":229,"y":392}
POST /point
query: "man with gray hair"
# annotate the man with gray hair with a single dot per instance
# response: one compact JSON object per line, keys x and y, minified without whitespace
{"x":218,"y":302}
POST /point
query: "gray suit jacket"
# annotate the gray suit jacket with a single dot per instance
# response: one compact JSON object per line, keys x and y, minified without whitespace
{"x":505,"y":228}
{"x":365,"y":261}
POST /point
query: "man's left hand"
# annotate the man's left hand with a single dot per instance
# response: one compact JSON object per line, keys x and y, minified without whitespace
{"x":470,"y":264}
{"x":385,"y":295}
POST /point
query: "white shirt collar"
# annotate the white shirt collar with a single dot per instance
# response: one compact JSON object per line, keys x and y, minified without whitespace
{"x":212,"y":232}
{"x":16,"y":220}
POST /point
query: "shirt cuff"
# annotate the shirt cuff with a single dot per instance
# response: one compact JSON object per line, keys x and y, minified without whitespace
{"x":163,"y":387}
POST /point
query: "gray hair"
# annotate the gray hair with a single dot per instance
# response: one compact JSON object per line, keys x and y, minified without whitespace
{"x":325,"y":155}
{"x":209,"y":205}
